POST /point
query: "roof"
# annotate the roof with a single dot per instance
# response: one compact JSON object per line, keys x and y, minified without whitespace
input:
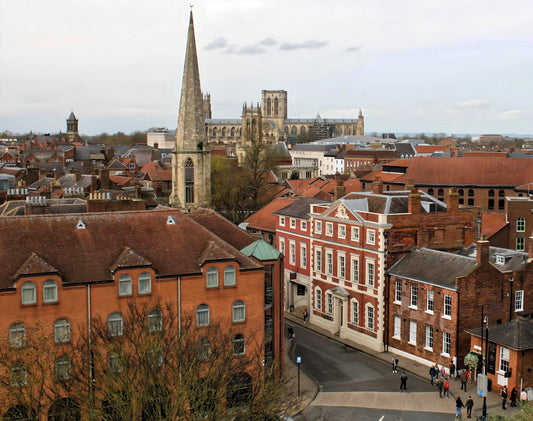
{"x":513,"y":260}
{"x":389,"y":202}
{"x":433,"y":266}
{"x":300,"y":208}
{"x":516,"y":334}
{"x":265,"y":219}
{"x":261,"y":250}
{"x":492,"y":222}
{"x":159,"y":175}
{"x":171,"y":241}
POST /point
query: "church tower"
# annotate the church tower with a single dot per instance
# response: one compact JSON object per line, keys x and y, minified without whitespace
{"x":191,"y":160}
{"x":360,"y":124}
{"x":72,"y":128}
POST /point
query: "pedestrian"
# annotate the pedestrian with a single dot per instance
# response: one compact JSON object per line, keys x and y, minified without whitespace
{"x":463,"y":379}
{"x":452,"y":371}
{"x":403,"y":382}
{"x":290,"y":332}
{"x":446,"y":388}
{"x":395,"y":364}
{"x":469,"y":404}
{"x":458,"y":406}
{"x":432,"y":373}
{"x":306,"y":315}
{"x":514,"y":393}
{"x":437,"y":371}
{"x":523,"y":397}
{"x":504,"y":396}
{"x":440,"y":385}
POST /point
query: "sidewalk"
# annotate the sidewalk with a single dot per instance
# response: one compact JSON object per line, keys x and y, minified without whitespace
{"x":494,"y":401}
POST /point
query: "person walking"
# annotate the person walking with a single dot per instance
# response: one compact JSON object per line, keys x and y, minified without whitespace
{"x":440,"y":385}
{"x":452,"y":371}
{"x":469,"y":405}
{"x":504,"y":397}
{"x":432,"y":374}
{"x":395,"y":364}
{"x":446,"y":388}
{"x":437,"y":371}
{"x":458,"y":407}
{"x":523,"y":397}
{"x":463,"y":379}
{"x":403,"y":381}
{"x":514,"y":394}
{"x":290,"y":332}
{"x":306,"y":315}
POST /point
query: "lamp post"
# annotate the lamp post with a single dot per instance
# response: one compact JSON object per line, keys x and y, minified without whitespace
{"x":299,"y":361}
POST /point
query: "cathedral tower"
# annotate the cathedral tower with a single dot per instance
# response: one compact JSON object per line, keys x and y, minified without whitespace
{"x":72,"y":128}
{"x":191,"y":160}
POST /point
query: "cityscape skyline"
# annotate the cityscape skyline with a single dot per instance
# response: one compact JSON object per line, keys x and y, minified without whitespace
{"x":438,"y":67}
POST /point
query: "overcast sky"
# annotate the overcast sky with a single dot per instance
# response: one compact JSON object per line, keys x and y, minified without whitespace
{"x":450,"y":66}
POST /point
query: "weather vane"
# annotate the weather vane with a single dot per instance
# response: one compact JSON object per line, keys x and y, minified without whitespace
{"x":191,"y":5}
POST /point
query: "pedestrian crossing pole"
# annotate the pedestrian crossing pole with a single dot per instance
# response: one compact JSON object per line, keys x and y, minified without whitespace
{"x":299,"y":361}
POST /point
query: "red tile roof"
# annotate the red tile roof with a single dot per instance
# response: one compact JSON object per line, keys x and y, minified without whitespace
{"x":151,"y":166}
{"x":429,"y":148}
{"x":492,"y":222}
{"x":159,"y":175}
{"x":264,"y":219}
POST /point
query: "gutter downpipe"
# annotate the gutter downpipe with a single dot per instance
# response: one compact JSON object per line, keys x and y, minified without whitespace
{"x":91,"y":362}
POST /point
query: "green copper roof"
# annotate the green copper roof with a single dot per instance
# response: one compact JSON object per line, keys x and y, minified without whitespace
{"x":261,"y":250}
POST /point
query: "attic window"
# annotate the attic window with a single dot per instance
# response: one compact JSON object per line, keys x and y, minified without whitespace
{"x":80,"y":225}
{"x":500,"y":260}
{"x":170,"y":221}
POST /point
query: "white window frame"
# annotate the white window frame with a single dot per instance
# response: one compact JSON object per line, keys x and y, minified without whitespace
{"x":413,"y":300}
{"x":17,"y":335}
{"x":519,"y":300}
{"x":329,"y":229}
{"x":303,"y":225}
{"x":50,"y":287}
{"x":503,"y":365}
{"x":145,"y":283}
{"x":371,"y":273}
{"x":446,"y":343}
{"x":230,"y":276}
{"x":318,"y":298}
{"x":211,"y":277}
{"x":28,"y":286}
{"x":355,"y":312}
{"x":370,"y":316}
{"x":239,"y":311}
{"x":303,"y":255}
{"x":397,"y":333}
{"x":412,"y":332}
{"x":329,"y":262}
{"x":282,"y":245}
{"x":355,"y":269}
{"x":329,"y":302}
{"x":239,"y":345}
{"x":155,"y":320}
{"x":292,"y":252}
{"x":61,"y":331}
{"x":447,"y":309}
{"x":341,"y":265}
{"x":282,"y":221}
{"x":293,"y":223}
{"x":202,"y":315}
{"x":125,"y":286}
{"x":115,"y":324}
{"x":342,"y":231}
{"x":370,"y":236}
{"x":398,"y":285}
{"x":318,"y":260}
{"x":430,"y":301}
{"x":429,"y":338}
{"x":355,"y":233}
{"x":318,"y":227}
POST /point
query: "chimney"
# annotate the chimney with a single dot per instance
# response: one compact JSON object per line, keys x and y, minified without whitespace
{"x":452,"y":200}
{"x":110,"y":154}
{"x":104,"y":179}
{"x":42,"y":173}
{"x":339,"y":190}
{"x":78,"y":176}
{"x":377,"y":186}
{"x":413,"y":202}
{"x":483,"y":247}
{"x":138,"y":191}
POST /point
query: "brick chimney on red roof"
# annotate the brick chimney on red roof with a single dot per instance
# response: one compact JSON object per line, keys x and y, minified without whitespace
{"x":377,"y":186}
{"x":483,"y":251}
{"x":339,"y":190}
{"x":413,"y":202}
{"x":452,"y":200}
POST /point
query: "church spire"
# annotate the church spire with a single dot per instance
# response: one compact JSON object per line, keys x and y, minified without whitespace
{"x":191,"y":125}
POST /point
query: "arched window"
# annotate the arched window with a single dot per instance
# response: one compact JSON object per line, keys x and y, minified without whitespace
{"x":115,"y":362}
{"x":269,"y":107}
{"x":202,"y":315}
{"x":430,"y":192}
{"x":20,"y":412}
{"x":204,"y":349}
{"x":355,"y":312}
{"x":239,"y":345}
{"x":440,"y":193}
{"x":275,"y":106}
{"x":491,"y":193}
{"x":64,"y":409}
{"x":50,"y":291}
{"x":470,"y":192}
{"x":461,"y":192}
{"x":155,"y":320}
{"x":229,"y":275}
{"x":19,"y":375}
{"x":115,"y":324}
{"x":286,"y":129}
{"x":17,"y":335}
{"x":501,"y":193}
{"x":232,"y":132}
{"x":62,"y":368}
{"x":239,"y":311}
{"x":212,"y":277}
{"x":189,"y":181}
{"x":239,"y":390}
{"x":521,"y":224}
{"x":214,"y":132}
{"x":145,"y":283}
{"x":318,"y":299}
{"x":294,"y":130}
{"x":124,"y":284}
{"x":62,"y":331}
{"x":370,"y":317}
{"x":302,"y":130}
{"x":223,"y":132}
{"x":28,"y":293}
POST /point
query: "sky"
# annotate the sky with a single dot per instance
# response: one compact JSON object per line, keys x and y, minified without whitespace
{"x":412,"y":66}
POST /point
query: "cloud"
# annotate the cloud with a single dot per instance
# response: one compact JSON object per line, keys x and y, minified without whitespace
{"x":473,"y":103}
{"x":352,"y":49}
{"x":267,"y":42}
{"x":217,"y":43}
{"x":310,"y":45}
{"x":250,"y":50}
{"x":511,"y":115}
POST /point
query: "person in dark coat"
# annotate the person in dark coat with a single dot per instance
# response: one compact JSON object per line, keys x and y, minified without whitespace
{"x":504,"y":397}
{"x":469,"y":405}
{"x":514,"y":395}
{"x":464,"y":379}
{"x":452,"y":371}
{"x":440,"y":385}
{"x":458,"y":406}
{"x":403,"y":382}
{"x":432,"y":373}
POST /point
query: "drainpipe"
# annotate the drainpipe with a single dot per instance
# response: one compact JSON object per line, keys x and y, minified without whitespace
{"x":91,"y":362}
{"x":179,"y":306}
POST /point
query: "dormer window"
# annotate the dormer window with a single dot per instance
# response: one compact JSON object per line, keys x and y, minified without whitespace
{"x":500,"y":260}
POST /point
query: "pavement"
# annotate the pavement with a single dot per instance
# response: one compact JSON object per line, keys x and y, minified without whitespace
{"x":312,"y":395}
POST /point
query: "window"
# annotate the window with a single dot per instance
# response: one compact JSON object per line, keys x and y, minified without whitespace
{"x":145,"y":283}
{"x":19,"y":374}
{"x":355,"y":270}
{"x":62,"y":368}
{"x":318,"y":227}
{"x":446,"y":343}
{"x":212,"y":277}
{"x":370,"y":318}
{"x":521,"y":224}
{"x":519,"y":300}
{"x":50,"y":291}
{"x":155,"y":320}
{"x":189,"y":181}
{"x":429,"y":337}
{"x":504,"y":359}
{"x":318,"y":299}
{"x":520,"y":244}
{"x":447,"y":305}
{"x":17,"y":335}
{"x":355,"y":233}
{"x":318,"y":261}
{"x":329,"y":298}
{"x":355,"y":312}
{"x":414,"y":296}
{"x":62,"y":331}
{"x":300,"y":289}
{"x":282,"y":246}
{"x":282,"y":221}
{"x":342,"y":231}
{"x":470,"y":197}
{"x":371,"y":237}
{"x":239,"y":346}
{"x":115,"y":362}
{"x":430,"y":192}
{"x":28,"y":293}
{"x":303,"y":255}
{"x":115,"y":324}
{"x":204,"y":349}
{"x":292,"y":253}
{"x":293,"y":223}
{"x":341,"y":268}
{"x":239,"y":311}
{"x":430,"y":303}
{"x":412,"y":332}
{"x":397,"y":327}
{"x":370,"y":274}
{"x":202,"y":315}
{"x":329,"y":229}
{"x":303,"y":225}
{"x":229,"y":276}
{"x":329,"y":263}
{"x":397,"y":291}
{"x":124,"y":284}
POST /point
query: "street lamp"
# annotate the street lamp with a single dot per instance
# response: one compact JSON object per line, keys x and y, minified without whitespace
{"x":299,"y":361}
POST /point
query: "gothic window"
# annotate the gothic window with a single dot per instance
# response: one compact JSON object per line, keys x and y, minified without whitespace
{"x":302,"y":130}
{"x":275,"y":106}
{"x":294,"y":130}
{"x":286,"y":129}
{"x":189,"y":181}
{"x":223,"y":132}
{"x":232,"y":132}
{"x":269,"y":107}
{"x":214,"y":132}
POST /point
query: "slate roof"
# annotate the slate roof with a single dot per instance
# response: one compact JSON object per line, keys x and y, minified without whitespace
{"x":390,"y":202}
{"x":514,"y":260}
{"x":34,"y":265}
{"x":55,"y":206}
{"x":129,"y":258}
{"x":300,"y":208}
{"x":86,"y":255}
{"x":433,"y":266}
{"x":516,"y":334}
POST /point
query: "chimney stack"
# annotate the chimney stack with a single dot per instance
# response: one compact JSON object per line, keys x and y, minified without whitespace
{"x":377,"y":186}
{"x":339,"y":190}
{"x":483,"y":251}
{"x":413,"y":202}
{"x":452,"y":200}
